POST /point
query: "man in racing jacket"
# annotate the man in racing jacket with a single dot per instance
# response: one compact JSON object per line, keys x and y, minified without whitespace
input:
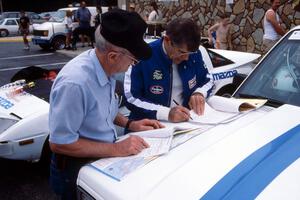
{"x":173,"y":80}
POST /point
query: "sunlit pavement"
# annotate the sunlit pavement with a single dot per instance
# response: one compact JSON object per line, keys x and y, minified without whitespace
{"x":14,"y":39}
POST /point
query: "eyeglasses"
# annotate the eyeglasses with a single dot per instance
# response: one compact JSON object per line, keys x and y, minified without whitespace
{"x":182,"y":52}
{"x":134,"y":60}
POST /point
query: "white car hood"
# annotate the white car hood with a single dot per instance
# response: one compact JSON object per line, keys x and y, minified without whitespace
{"x":236,"y":56}
{"x":21,"y":105}
{"x":45,"y":25}
{"x":190,"y":170}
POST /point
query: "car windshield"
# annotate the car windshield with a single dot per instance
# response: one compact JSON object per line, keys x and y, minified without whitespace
{"x":1,"y":21}
{"x":58,"y":16}
{"x":277,"y":77}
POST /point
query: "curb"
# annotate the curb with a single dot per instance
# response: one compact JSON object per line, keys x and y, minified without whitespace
{"x":14,"y":39}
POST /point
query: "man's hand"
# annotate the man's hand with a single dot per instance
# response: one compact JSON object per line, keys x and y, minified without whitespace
{"x":197,"y":102}
{"x":145,"y":124}
{"x":130,"y":146}
{"x":179,"y":114}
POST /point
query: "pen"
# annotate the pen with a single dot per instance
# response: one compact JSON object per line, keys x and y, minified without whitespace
{"x":178,"y":105}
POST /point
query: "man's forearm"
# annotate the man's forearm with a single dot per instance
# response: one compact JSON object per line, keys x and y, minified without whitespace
{"x":85,"y":148}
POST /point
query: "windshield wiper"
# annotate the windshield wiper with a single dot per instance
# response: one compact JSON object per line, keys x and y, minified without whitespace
{"x":270,"y":102}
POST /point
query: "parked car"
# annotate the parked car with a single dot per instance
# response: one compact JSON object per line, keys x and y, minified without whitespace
{"x":34,"y":17}
{"x":52,"y":34}
{"x":10,"y":26}
{"x":47,"y":15}
{"x":24,"y":134}
{"x":255,"y":156}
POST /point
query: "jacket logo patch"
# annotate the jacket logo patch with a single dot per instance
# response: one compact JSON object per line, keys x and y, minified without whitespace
{"x":192,"y":82}
{"x":157,"y":75}
{"x":156,"y":89}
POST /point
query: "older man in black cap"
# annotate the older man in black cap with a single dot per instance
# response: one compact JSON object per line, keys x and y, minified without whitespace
{"x":83,"y":107}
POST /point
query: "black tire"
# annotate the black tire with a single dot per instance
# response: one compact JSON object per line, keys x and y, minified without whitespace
{"x":227,"y":91}
{"x":58,"y":42}
{"x":45,"y":46}
{"x":45,"y":158}
{"x":4,"y":33}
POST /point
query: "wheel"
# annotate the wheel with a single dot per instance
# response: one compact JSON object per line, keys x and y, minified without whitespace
{"x":45,"y":46}
{"x":58,"y":43}
{"x":4,"y":33}
{"x":227,"y":91}
{"x":45,"y":158}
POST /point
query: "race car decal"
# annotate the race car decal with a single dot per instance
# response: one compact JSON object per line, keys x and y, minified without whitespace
{"x":157,"y":75}
{"x":258,"y":170}
{"x":224,"y":75}
{"x":5,"y":103}
{"x":156,"y":89}
{"x":192,"y":82}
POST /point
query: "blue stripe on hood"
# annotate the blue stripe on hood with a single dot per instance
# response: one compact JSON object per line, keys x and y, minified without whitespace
{"x":249,"y":178}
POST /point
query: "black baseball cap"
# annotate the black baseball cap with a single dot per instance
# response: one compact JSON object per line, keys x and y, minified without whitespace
{"x":126,"y":29}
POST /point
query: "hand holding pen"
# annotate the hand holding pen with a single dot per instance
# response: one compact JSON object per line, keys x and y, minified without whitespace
{"x":179,"y":113}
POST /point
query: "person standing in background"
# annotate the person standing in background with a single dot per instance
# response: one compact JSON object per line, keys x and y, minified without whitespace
{"x":223,"y":35}
{"x":97,"y":19}
{"x":24,"y":28}
{"x":131,"y":7}
{"x":83,"y":16}
{"x":272,"y":28}
{"x":68,"y":21}
{"x":155,"y":14}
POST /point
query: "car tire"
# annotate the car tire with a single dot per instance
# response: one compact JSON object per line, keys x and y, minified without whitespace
{"x":45,"y":158}
{"x":58,"y":42}
{"x":45,"y":46}
{"x":4,"y":33}
{"x":227,"y":91}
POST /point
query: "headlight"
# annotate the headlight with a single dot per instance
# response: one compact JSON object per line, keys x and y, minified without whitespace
{"x":45,"y":33}
{"x":5,"y":123}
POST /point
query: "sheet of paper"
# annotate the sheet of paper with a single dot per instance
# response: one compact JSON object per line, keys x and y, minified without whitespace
{"x":158,"y":146}
{"x":156,"y":133}
{"x":117,"y":168}
{"x":211,"y":116}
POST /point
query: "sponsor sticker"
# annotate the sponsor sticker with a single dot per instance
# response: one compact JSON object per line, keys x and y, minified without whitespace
{"x":156,"y":89}
{"x":192,"y":82}
{"x":157,"y":75}
{"x":5,"y":103}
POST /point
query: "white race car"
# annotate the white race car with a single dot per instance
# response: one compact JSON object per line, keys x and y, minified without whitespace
{"x":24,"y":118}
{"x":256,"y":156}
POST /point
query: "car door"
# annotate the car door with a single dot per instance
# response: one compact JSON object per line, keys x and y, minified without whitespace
{"x":12,"y":26}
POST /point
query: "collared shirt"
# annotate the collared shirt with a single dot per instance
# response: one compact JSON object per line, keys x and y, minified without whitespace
{"x":82,"y":102}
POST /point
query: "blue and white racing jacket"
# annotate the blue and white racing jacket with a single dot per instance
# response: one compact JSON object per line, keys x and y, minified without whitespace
{"x":148,"y":85}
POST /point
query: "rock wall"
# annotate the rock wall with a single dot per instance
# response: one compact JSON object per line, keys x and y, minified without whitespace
{"x":246,"y":16}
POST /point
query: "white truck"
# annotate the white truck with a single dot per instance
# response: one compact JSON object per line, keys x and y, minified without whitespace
{"x":52,"y":34}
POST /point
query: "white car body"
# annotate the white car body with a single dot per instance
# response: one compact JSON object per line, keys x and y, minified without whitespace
{"x":256,"y":156}
{"x":50,"y":33}
{"x":10,"y":26}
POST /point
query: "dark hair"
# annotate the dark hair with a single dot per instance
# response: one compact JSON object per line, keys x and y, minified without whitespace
{"x":99,"y":8}
{"x":184,"y":31}
{"x":154,"y":6}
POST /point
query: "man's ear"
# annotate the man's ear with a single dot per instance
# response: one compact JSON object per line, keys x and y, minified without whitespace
{"x":112,"y":57}
{"x":167,"y":39}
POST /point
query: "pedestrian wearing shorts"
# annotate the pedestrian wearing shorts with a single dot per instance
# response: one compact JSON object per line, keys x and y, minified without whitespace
{"x":24,"y":29}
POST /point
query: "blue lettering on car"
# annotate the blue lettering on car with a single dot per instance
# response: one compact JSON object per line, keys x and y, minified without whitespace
{"x":5,"y":103}
{"x":223,"y":75}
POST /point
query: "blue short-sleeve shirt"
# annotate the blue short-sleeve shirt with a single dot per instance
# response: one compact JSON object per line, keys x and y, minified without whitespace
{"x":82,"y":102}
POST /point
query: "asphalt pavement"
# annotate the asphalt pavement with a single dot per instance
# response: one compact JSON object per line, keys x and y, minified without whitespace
{"x":21,"y":179}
